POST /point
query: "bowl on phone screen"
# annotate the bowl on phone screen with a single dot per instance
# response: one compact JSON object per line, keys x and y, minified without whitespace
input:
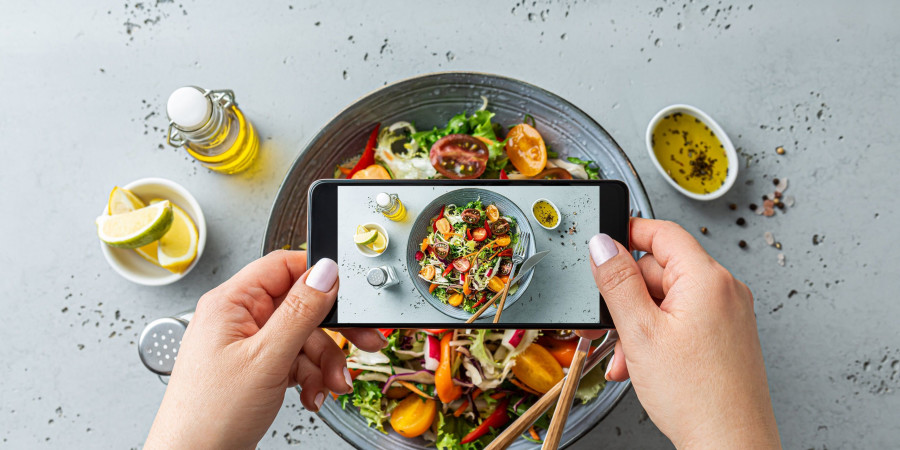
{"x":422,"y":226}
{"x":429,"y":101}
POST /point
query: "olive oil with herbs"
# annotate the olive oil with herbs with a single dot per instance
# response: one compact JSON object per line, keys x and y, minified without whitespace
{"x":690,"y":153}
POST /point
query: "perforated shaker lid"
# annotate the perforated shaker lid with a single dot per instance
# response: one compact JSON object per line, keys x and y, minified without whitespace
{"x":159,"y":343}
{"x":189,"y":108}
{"x":383,"y":199}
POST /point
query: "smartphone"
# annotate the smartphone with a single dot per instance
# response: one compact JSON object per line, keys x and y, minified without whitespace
{"x":455,"y":246}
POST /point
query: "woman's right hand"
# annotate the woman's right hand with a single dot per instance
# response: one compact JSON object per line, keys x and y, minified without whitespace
{"x":688,"y":339}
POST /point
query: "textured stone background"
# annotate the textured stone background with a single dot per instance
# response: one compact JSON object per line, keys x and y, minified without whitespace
{"x":83,"y":86}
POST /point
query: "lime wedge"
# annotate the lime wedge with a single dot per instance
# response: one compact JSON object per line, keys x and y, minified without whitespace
{"x":365,"y":238}
{"x":378,"y":245}
{"x":122,"y":200}
{"x":136,"y":228}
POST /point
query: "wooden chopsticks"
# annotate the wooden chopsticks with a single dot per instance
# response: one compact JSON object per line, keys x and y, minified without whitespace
{"x":502,"y":301}
{"x":564,"y":405}
{"x":521,"y":425}
{"x":488,"y":304}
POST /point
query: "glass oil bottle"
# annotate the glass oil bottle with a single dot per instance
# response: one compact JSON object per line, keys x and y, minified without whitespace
{"x":211,"y":127}
{"x":390,"y":206}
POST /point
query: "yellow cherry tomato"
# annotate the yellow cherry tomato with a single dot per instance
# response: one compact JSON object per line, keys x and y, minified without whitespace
{"x":526,"y":149}
{"x":537,"y":368}
{"x":373,"y":172}
{"x":443,"y":225}
{"x":455,"y":299}
{"x":492,"y":213}
{"x":504,"y":240}
{"x":413,"y":416}
{"x":427,"y":272}
{"x":495,"y":284}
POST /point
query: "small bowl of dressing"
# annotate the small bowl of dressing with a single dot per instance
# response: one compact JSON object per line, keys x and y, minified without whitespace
{"x":546,"y":213}
{"x":692,"y":152}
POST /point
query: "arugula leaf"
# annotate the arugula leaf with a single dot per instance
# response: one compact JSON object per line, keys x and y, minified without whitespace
{"x":593,"y":172}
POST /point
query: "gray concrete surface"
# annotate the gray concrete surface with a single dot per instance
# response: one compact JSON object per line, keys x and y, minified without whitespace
{"x":82,"y":85}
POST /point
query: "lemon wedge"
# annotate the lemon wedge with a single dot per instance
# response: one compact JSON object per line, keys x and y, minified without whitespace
{"x":177,"y":249}
{"x":122,"y":200}
{"x":366,"y":238}
{"x":136,"y":228}
{"x":379,"y":244}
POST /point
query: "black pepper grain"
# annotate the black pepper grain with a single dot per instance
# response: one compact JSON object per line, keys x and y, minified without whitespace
{"x":779,"y":150}
{"x":732,"y":206}
{"x":703,"y":230}
{"x":775,"y":181}
{"x":740,"y":221}
{"x":742,"y":244}
{"x":753,"y":207}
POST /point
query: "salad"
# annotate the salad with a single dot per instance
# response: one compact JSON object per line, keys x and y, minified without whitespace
{"x":470,"y":146}
{"x":458,"y":389}
{"x":467,"y":254}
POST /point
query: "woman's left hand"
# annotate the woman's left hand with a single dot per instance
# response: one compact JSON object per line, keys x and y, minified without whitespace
{"x":250,"y":339}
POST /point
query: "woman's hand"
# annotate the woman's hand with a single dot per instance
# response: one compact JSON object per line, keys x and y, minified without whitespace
{"x":688,"y":339}
{"x":251,"y":338}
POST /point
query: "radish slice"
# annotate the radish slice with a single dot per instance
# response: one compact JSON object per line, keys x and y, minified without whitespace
{"x":432,"y":352}
{"x":512,"y":338}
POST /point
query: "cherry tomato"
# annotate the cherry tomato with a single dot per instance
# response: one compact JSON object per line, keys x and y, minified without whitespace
{"x":460,"y":156}
{"x":504,"y":240}
{"x":455,"y":299}
{"x":373,"y":172}
{"x":526,"y":149}
{"x":495,"y":284}
{"x":537,"y":368}
{"x":499,"y":227}
{"x":562,"y":351}
{"x":441,"y":249}
{"x":443,"y":225}
{"x":479,"y":234}
{"x":462,"y":264}
{"x":471,"y":216}
{"x":555,"y":173}
{"x":492,"y":213}
{"x":427,"y":272}
{"x":413,"y":416}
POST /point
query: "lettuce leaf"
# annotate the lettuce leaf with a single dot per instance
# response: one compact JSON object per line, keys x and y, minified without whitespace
{"x":366,"y":396}
{"x":481,"y":353}
{"x":591,"y":384}
{"x":451,"y":430}
{"x":593,"y":172}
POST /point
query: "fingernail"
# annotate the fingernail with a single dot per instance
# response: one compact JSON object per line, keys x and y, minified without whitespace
{"x":609,"y":366}
{"x":323,"y":275}
{"x":602,"y":248}
{"x":348,"y":379}
{"x":383,"y":338}
{"x":320,"y":398}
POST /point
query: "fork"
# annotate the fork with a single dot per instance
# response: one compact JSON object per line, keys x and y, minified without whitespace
{"x":517,"y":258}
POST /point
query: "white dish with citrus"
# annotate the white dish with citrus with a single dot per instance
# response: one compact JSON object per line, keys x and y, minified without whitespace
{"x":152,"y":231}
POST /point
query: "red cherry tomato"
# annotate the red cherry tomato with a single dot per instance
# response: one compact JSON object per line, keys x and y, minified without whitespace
{"x":479,"y":234}
{"x":459,"y":156}
{"x":462,"y":264}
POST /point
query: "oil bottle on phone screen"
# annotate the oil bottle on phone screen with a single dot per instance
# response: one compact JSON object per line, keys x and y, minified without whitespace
{"x":211,"y":127}
{"x":390,"y":206}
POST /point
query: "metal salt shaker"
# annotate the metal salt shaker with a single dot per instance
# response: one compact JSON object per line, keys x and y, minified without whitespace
{"x":382,"y":277}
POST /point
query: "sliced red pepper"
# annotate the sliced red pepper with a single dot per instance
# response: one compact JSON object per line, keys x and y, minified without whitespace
{"x":469,"y":233}
{"x":479,"y":302}
{"x":503,"y":175}
{"x":497,"y":419}
{"x":488,"y":230}
{"x":449,"y":268}
{"x":368,"y":156}
{"x":386,"y":331}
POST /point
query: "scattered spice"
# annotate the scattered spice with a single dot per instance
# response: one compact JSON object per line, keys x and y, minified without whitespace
{"x":753,"y":207}
{"x":742,"y":244}
{"x":769,"y":237}
{"x":781,"y":259}
{"x":779,"y":150}
{"x":732,"y":206}
{"x":741,"y":221}
{"x":775,"y":181}
{"x":703,"y":230}
{"x":778,"y":245}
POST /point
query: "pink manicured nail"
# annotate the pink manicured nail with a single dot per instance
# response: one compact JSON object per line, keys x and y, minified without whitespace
{"x":323,"y":275}
{"x":602,"y":248}
{"x":320,"y":398}
{"x":348,"y":379}
{"x":609,"y":366}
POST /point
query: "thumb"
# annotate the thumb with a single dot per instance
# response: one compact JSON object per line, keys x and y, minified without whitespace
{"x":304,"y":307}
{"x":623,"y":289}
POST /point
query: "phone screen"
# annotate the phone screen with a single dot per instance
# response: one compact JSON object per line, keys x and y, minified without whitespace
{"x":452,"y":249}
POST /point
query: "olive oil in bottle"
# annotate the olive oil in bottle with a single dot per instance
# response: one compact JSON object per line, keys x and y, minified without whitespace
{"x":690,"y":153}
{"x":390,"y":206}
{"x":211,"y":127}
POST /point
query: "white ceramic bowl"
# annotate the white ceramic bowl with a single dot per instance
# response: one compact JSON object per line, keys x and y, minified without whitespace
{"x":366,"y":251}
{"x":730,"y":153}
{"x":558,"y":215}
{"x":133,"y":267}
